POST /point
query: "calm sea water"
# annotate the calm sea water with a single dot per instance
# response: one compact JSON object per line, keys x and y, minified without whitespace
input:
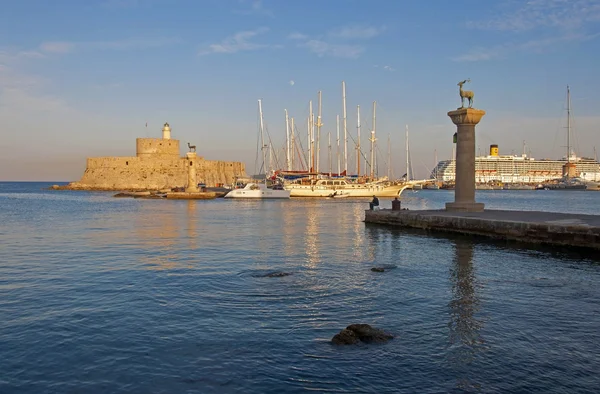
{"x":102,"y":295}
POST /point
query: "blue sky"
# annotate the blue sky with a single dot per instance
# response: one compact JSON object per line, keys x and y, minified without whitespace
{"x":82,"y":78}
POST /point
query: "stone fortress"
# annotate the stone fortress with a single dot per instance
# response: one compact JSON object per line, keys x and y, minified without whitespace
{"x":156,"y":166}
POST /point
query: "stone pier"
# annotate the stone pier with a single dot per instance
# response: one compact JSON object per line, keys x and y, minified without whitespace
{"x":524,"y":226}
{"x":465,"y":120}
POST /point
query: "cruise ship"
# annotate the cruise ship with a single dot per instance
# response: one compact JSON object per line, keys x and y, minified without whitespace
{"x":519,"y":169}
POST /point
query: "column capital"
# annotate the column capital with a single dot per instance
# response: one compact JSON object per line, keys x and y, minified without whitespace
{"x":466,"y":116}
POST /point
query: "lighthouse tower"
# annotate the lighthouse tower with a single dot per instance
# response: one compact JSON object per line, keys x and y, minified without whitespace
{"x":166,"y":132}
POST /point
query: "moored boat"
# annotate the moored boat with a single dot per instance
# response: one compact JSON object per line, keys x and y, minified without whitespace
{"x":305,"y":187}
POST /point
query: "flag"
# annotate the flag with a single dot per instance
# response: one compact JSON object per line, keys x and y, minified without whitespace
{"x":454,"y":137}
{"x":146,"y":124}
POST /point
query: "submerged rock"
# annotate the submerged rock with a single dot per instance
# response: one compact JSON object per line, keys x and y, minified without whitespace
{"x":276,"y":274}
{"x":356,"y":333}
{"x":383,"y":268}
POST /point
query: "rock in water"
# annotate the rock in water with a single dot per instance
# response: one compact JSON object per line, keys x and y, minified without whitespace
{"x":277,"y":274}
{"x":356,"y":333}
{"x":274,"y":274}
{"x":383,"y":268}
{"x":345,"y":337}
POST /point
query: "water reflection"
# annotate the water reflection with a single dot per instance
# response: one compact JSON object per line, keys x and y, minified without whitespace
{"x":465,"y":340}
{"x":312,"y":234}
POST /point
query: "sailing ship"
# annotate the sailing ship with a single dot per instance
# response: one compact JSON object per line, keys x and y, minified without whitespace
{"x":259,"y":190}
{"x":316,"y":183}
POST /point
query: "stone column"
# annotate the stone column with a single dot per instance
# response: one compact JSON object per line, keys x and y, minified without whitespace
{"x":192,"y":185}
{"x":465,"y":120}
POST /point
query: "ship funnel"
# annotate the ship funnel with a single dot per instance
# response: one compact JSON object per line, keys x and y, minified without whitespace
{"x":494,"y":150}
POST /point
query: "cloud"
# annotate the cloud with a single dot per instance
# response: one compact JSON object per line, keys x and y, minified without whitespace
{"x":239,"y":42}
{"x":534,"y":14}
{"x":292,"y":83}
{"x":535,"y":46}
{"x":357,"y":32}
{"x":256,"y":7}
{"x":297,"y":36}
{"x":57,"y":47}
{"x":340,"y":42}
{"x":389,"y":68}
{"x":322,"y":48}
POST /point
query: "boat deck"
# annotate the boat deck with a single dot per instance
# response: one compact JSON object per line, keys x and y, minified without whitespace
{"x":525,"y":226}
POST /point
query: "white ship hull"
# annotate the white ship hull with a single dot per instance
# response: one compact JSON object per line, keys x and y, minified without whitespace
{"x":258,"y":191}
{"x":322,"y":189}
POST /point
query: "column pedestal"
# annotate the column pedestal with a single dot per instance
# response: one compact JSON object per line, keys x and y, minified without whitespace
{"x":465,"y":120}
{"x":192,"y":186}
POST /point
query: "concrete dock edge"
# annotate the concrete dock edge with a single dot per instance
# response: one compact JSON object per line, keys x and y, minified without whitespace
{"x":525,"y":226}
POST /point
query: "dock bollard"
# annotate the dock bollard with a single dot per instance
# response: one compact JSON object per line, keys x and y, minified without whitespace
{"x":395,"y":204}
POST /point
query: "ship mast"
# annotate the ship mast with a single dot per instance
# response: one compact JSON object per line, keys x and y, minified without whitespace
{"x":319,"y":124}
{"x":287,"y":141}
{"x":407,"y":158}
{"x":292,"y":144}
{"x":345,"y":128}
{"x":310,"y":140}
{"x":389,"y":158}
{"x":358,"y":140}
{"x":373,"y":143}
{"x":568,"y":125}
{"x":337,"y":126}
{"x":262,"y":139}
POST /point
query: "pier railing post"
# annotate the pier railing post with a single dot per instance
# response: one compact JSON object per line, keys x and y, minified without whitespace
{"x":465,"y":120}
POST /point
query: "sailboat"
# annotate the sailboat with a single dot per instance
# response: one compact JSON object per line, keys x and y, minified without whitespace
{"x":259,"y":190}
{"x":316,"y":184}
{"x":569,"y":181}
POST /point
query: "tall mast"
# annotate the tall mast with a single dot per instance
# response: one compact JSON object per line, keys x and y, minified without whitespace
{"x":407,"y":159}
{"x":288,"y":153}
{"x":358,"y":140}
{"x":329,"y":145}
{"x":345,"y":128}
{"x":319,"y":124}
{"x":435,"y":162}
{"x":337,"y":126}
{"x":568,"y":124}
{"x":373,"y":143}
{"x":292,"y":145}
{"x":389,"y":158}
{"x":262,"y":139}
{"x":309,"y":141}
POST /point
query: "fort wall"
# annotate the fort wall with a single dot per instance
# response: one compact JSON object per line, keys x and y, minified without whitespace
{"x":156,"y":147}
{"x":157,"y":165}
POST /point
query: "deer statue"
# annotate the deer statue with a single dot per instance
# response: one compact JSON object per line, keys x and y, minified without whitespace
{"x":465,"y":94}
{"x":192,"y":147}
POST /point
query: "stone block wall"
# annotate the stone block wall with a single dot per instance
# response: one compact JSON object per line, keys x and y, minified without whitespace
{"x":153,"y":173}
{"x":156,"y":147}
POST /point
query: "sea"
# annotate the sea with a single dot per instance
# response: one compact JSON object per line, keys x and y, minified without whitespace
{"x":115,"y":295}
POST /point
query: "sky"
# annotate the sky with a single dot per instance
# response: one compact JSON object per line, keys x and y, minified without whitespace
{"x":83,"y":78}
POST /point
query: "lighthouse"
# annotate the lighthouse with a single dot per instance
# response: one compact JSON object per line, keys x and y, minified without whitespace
{"x":166,"y":132}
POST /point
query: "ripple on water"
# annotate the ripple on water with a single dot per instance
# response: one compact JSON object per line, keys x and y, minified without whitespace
{"x":105,"y":295}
